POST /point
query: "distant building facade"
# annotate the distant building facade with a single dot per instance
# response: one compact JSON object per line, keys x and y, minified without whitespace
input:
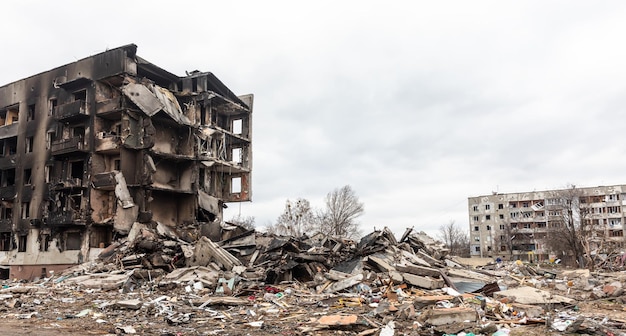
{"x":518,"y":225}
{"x":92,"y":147}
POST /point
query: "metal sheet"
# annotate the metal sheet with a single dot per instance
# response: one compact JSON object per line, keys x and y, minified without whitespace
{"x":143,"y":98}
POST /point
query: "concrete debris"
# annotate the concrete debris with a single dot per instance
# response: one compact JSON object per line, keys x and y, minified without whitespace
{"x":240,"y":279}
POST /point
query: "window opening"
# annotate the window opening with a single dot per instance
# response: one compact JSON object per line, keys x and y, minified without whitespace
{"x":237,"y":126}
{"x":235,"y":185}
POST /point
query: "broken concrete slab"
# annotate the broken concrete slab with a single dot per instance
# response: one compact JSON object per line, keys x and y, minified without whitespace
{"x":207,"y":251}
{"x":343,"y":284}
{"x":422,"y":281}
{"x":461,"y":273}
{"x":418,"y":270}
{"x":447,"y":316}
{"x":129,"y":304}
{"x":333,"y":320}
{"x":529,"y":311}
{"x":531,"y":295}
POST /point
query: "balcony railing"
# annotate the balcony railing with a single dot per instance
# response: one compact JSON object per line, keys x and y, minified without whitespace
{"x":65,"y":218}
{"x":73,"y":110}
{"x":65,"y":146}
{"x":7,"y":192}
{"x":62,"y":183}
{"x":108,"y":144}
{"x":104,"y":181}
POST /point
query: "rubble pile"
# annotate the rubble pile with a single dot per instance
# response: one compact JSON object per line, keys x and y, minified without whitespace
{"x":158,"y":282}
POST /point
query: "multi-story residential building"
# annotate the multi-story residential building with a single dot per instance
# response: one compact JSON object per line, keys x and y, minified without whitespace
{"x":91,"y":147}
{"x":521,"y":225}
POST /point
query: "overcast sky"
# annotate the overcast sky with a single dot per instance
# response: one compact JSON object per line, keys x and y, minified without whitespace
{"x":417,"y":105}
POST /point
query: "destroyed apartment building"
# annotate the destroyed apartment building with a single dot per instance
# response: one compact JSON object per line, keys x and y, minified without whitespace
{"x":89,"y":148}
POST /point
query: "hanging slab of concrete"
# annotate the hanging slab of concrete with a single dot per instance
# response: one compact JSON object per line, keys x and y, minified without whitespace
{"x":531,"y":295}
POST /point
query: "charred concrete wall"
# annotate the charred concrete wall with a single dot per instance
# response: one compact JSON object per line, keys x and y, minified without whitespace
{"x":90,"y":147}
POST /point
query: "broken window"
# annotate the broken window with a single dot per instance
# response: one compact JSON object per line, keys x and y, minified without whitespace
{"x":8,"y":177}
{"x":12,"y":145}
{"x":80,"y":95}
{"x":30,"y":141}
{"x":25,"y":210}
{"x":78,"y":131}
{"x":46,"y":173}
{"x":31,"y":112}
{"x":237,"y":126}
{"x":44,"y":242}
{"x":50,"y":137}
{"x":235,"y":185}
{"x":100,"y":236}
{"x":203,"y":117}
{"x":21,"y":244}
{"x":201,"y":176}
{"x":6,"y":239}
{"x":73,"y":240}
{"x":8,"y":116}
{"x":28,"y":176}
{"x":52,"y":104}
{"x":77,"y":169}
{"x":6,"y":211}
{"x":236,"y":155}
{"x":488,"y":217}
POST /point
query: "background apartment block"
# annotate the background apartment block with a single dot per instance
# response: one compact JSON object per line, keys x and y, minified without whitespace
{"x":91,"y":147}
{"x":520,"y":225}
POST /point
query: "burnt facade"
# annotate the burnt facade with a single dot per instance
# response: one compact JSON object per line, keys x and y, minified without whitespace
{"x":91,"y":147}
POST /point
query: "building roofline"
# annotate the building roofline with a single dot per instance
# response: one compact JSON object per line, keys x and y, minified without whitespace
{"x":130,"y":48}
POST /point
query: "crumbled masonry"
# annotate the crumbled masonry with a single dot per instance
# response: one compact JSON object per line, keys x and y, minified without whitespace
{"x":152,"y":282}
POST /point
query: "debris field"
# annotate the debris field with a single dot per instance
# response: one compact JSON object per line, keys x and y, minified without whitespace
{"x":244,"y":282}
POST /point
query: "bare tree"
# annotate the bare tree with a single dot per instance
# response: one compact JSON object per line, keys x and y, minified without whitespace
{"x":456,"y":239}
{"x":296,"y":220}
{"x":506,"y":241}
{"x":245,"y":221}
{"x":571,"y":230}
{"x":342,"y":210}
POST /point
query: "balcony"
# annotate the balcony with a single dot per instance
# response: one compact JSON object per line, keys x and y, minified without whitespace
{"x":63,"y":218}
{"x":71,"y":111}
{"x":6,"y":225}
{"x":108,"y":144}
{"x":7,"y":192}
{"x":8,"y":162}
{"x":67,"y":183}
{"x":110,"y":108}
{"x":104,"y":181}
{"x":67,"y":146}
